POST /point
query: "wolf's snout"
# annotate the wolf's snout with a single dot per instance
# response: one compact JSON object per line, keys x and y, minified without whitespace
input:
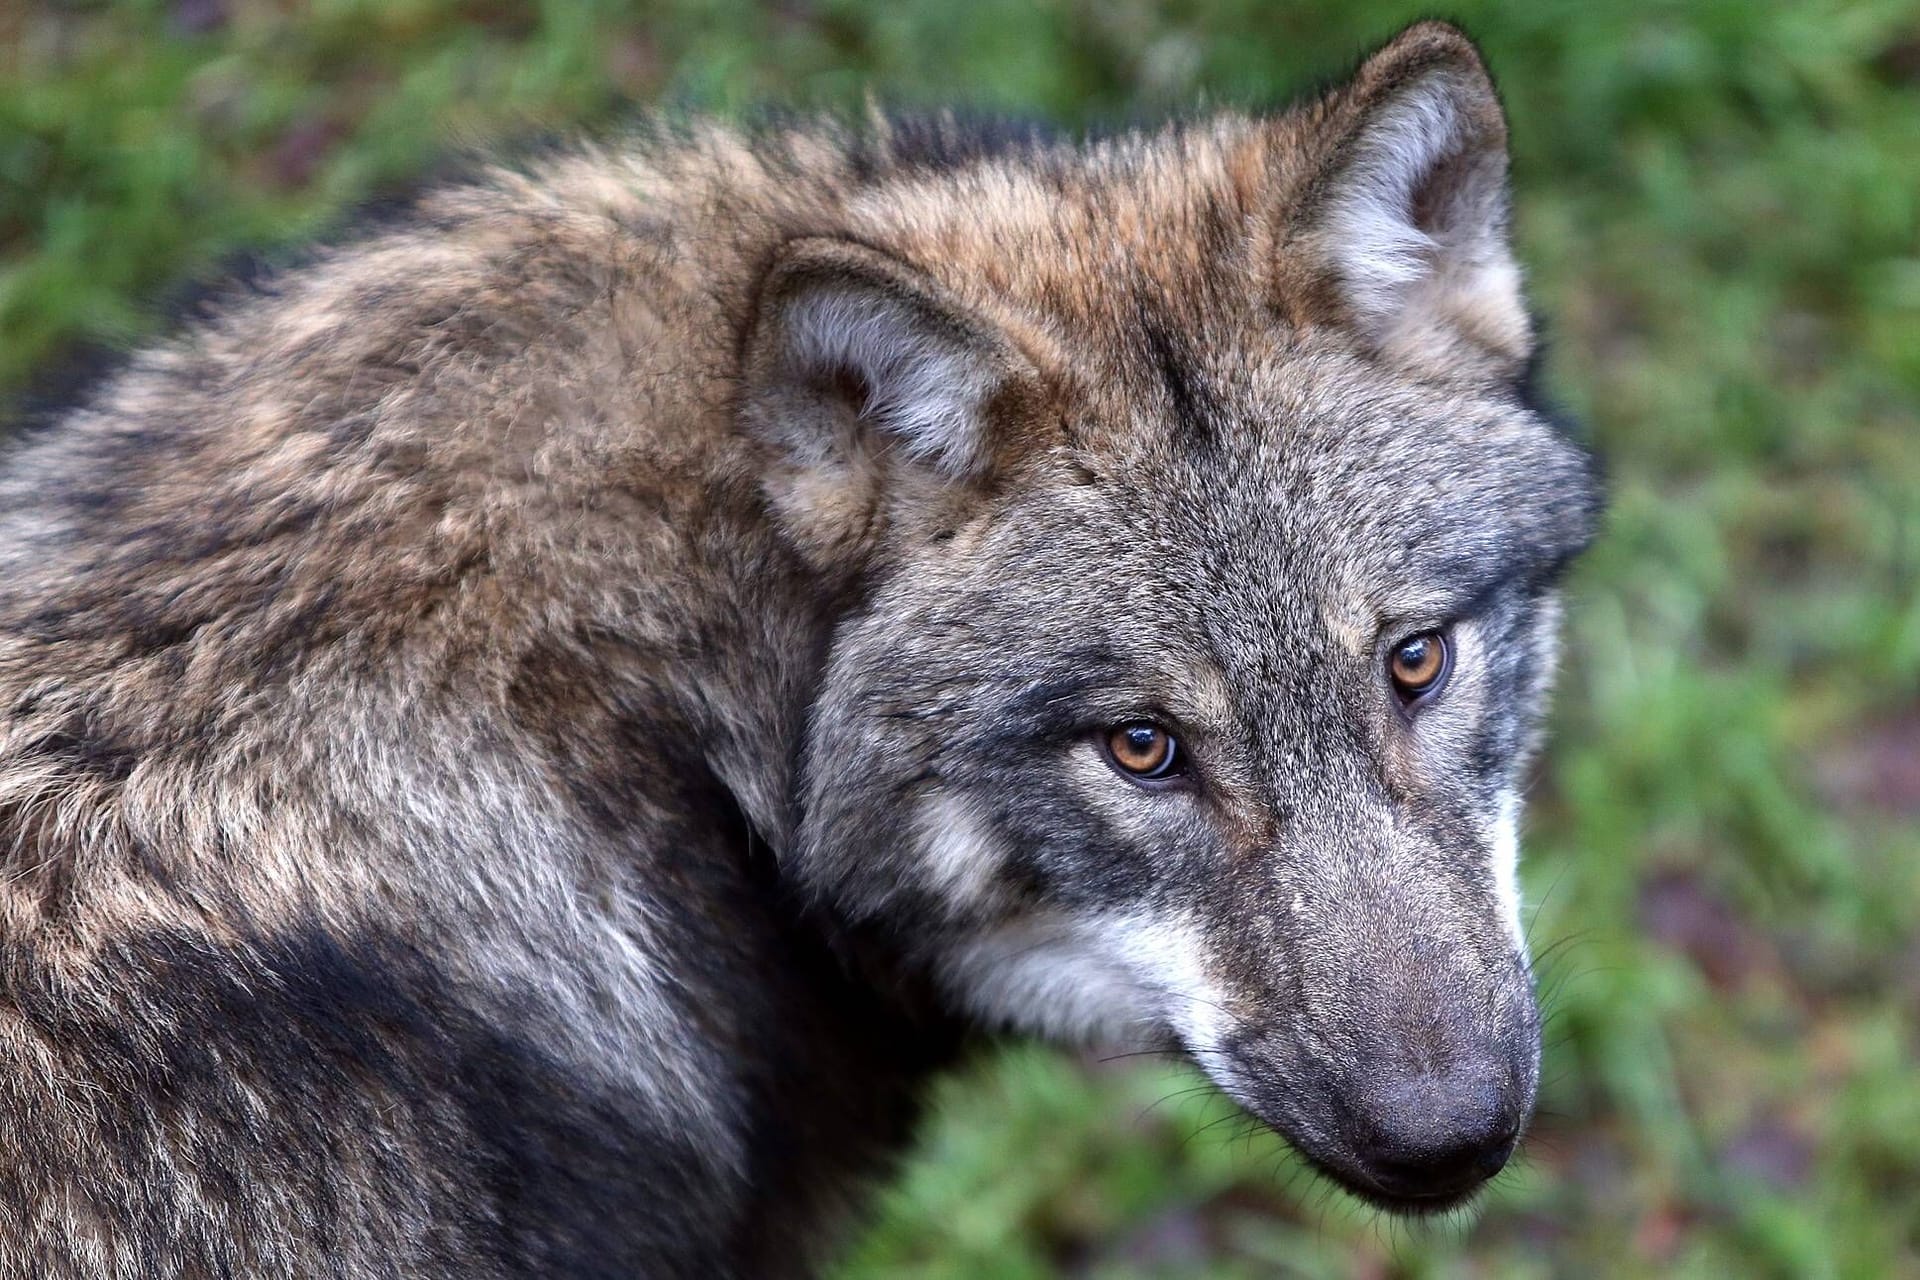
{"x":1411,"y":1080}
{"x":1439,"y":1134}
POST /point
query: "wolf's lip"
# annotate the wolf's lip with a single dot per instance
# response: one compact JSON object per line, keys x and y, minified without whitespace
{"x":1413,"y":1144}
{"x":1408,"y":1199}
{"x":1412,"y":1204}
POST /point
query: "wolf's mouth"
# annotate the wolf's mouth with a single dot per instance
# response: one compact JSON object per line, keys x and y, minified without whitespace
{"x":1400,"y":1203}
{"x":1462,"y":1153}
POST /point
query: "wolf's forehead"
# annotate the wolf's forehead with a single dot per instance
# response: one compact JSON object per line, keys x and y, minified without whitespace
{"x":1352,"y":519}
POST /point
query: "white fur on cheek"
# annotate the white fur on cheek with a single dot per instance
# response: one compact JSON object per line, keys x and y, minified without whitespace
{"x":1093,"y":977}
{"x":956,"y":850}
{"x":1172,"y":956}
{"x":1506,"y":866}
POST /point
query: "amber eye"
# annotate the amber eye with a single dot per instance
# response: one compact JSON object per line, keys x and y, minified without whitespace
{"x":1419,"y":665}
{"x":1144,"y":751}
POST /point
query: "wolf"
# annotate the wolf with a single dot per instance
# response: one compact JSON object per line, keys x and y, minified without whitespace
{"x":526,"y":739}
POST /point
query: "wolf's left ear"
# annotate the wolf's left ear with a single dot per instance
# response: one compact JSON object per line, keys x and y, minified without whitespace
{"x":1407,"y":220}
{"x":871,"y":381}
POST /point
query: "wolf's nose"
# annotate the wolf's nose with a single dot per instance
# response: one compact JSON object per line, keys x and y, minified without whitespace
{"x":1439,"y":1134}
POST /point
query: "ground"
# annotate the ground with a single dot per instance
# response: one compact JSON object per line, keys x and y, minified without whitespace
{"x":1718,"y":202}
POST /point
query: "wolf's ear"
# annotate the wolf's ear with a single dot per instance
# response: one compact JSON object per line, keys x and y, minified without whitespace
{"x":866,"y":375}
{"x":1407,"y":221}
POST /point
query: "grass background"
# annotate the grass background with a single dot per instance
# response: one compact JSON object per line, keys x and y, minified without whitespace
{"x":1719,"y":204}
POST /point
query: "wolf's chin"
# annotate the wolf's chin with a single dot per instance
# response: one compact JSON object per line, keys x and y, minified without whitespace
{"x":1354,"y":1182}
{"x":1369,"y":1193}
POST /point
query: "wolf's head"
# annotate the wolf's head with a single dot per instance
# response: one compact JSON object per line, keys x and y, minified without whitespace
{"x":1204,"y":550}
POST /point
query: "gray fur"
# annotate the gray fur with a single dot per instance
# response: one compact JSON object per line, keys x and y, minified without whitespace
{"x":524,"y":744}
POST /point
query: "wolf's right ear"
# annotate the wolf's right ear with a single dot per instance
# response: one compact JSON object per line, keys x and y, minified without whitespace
{"x":862,"y":372}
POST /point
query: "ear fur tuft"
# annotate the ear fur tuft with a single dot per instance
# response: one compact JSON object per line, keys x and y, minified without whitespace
{"x":846,"y":331}
{"x":869,"y":379}
{"x":1411,"y":219}
{"x":919,"y":385}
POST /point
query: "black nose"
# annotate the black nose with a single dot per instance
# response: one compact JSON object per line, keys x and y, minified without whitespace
{"x":1433,"y":1135}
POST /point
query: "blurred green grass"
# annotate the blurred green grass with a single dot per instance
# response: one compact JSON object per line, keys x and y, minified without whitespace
{"x":1720,"y":205}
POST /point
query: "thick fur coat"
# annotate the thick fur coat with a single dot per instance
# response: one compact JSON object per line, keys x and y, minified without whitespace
{"x":524,"y":740}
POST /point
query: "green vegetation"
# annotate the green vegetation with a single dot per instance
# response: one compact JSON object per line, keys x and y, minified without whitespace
{"x":1721,"y":205}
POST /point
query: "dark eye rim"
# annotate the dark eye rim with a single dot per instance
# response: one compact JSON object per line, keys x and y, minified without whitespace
{"x":1413,"y":699}
{"x":1171,"y":773}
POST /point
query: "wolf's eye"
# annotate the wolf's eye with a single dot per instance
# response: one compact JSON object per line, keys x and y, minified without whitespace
{"x":1419,"y":665}
{"x":1143,"y":751}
